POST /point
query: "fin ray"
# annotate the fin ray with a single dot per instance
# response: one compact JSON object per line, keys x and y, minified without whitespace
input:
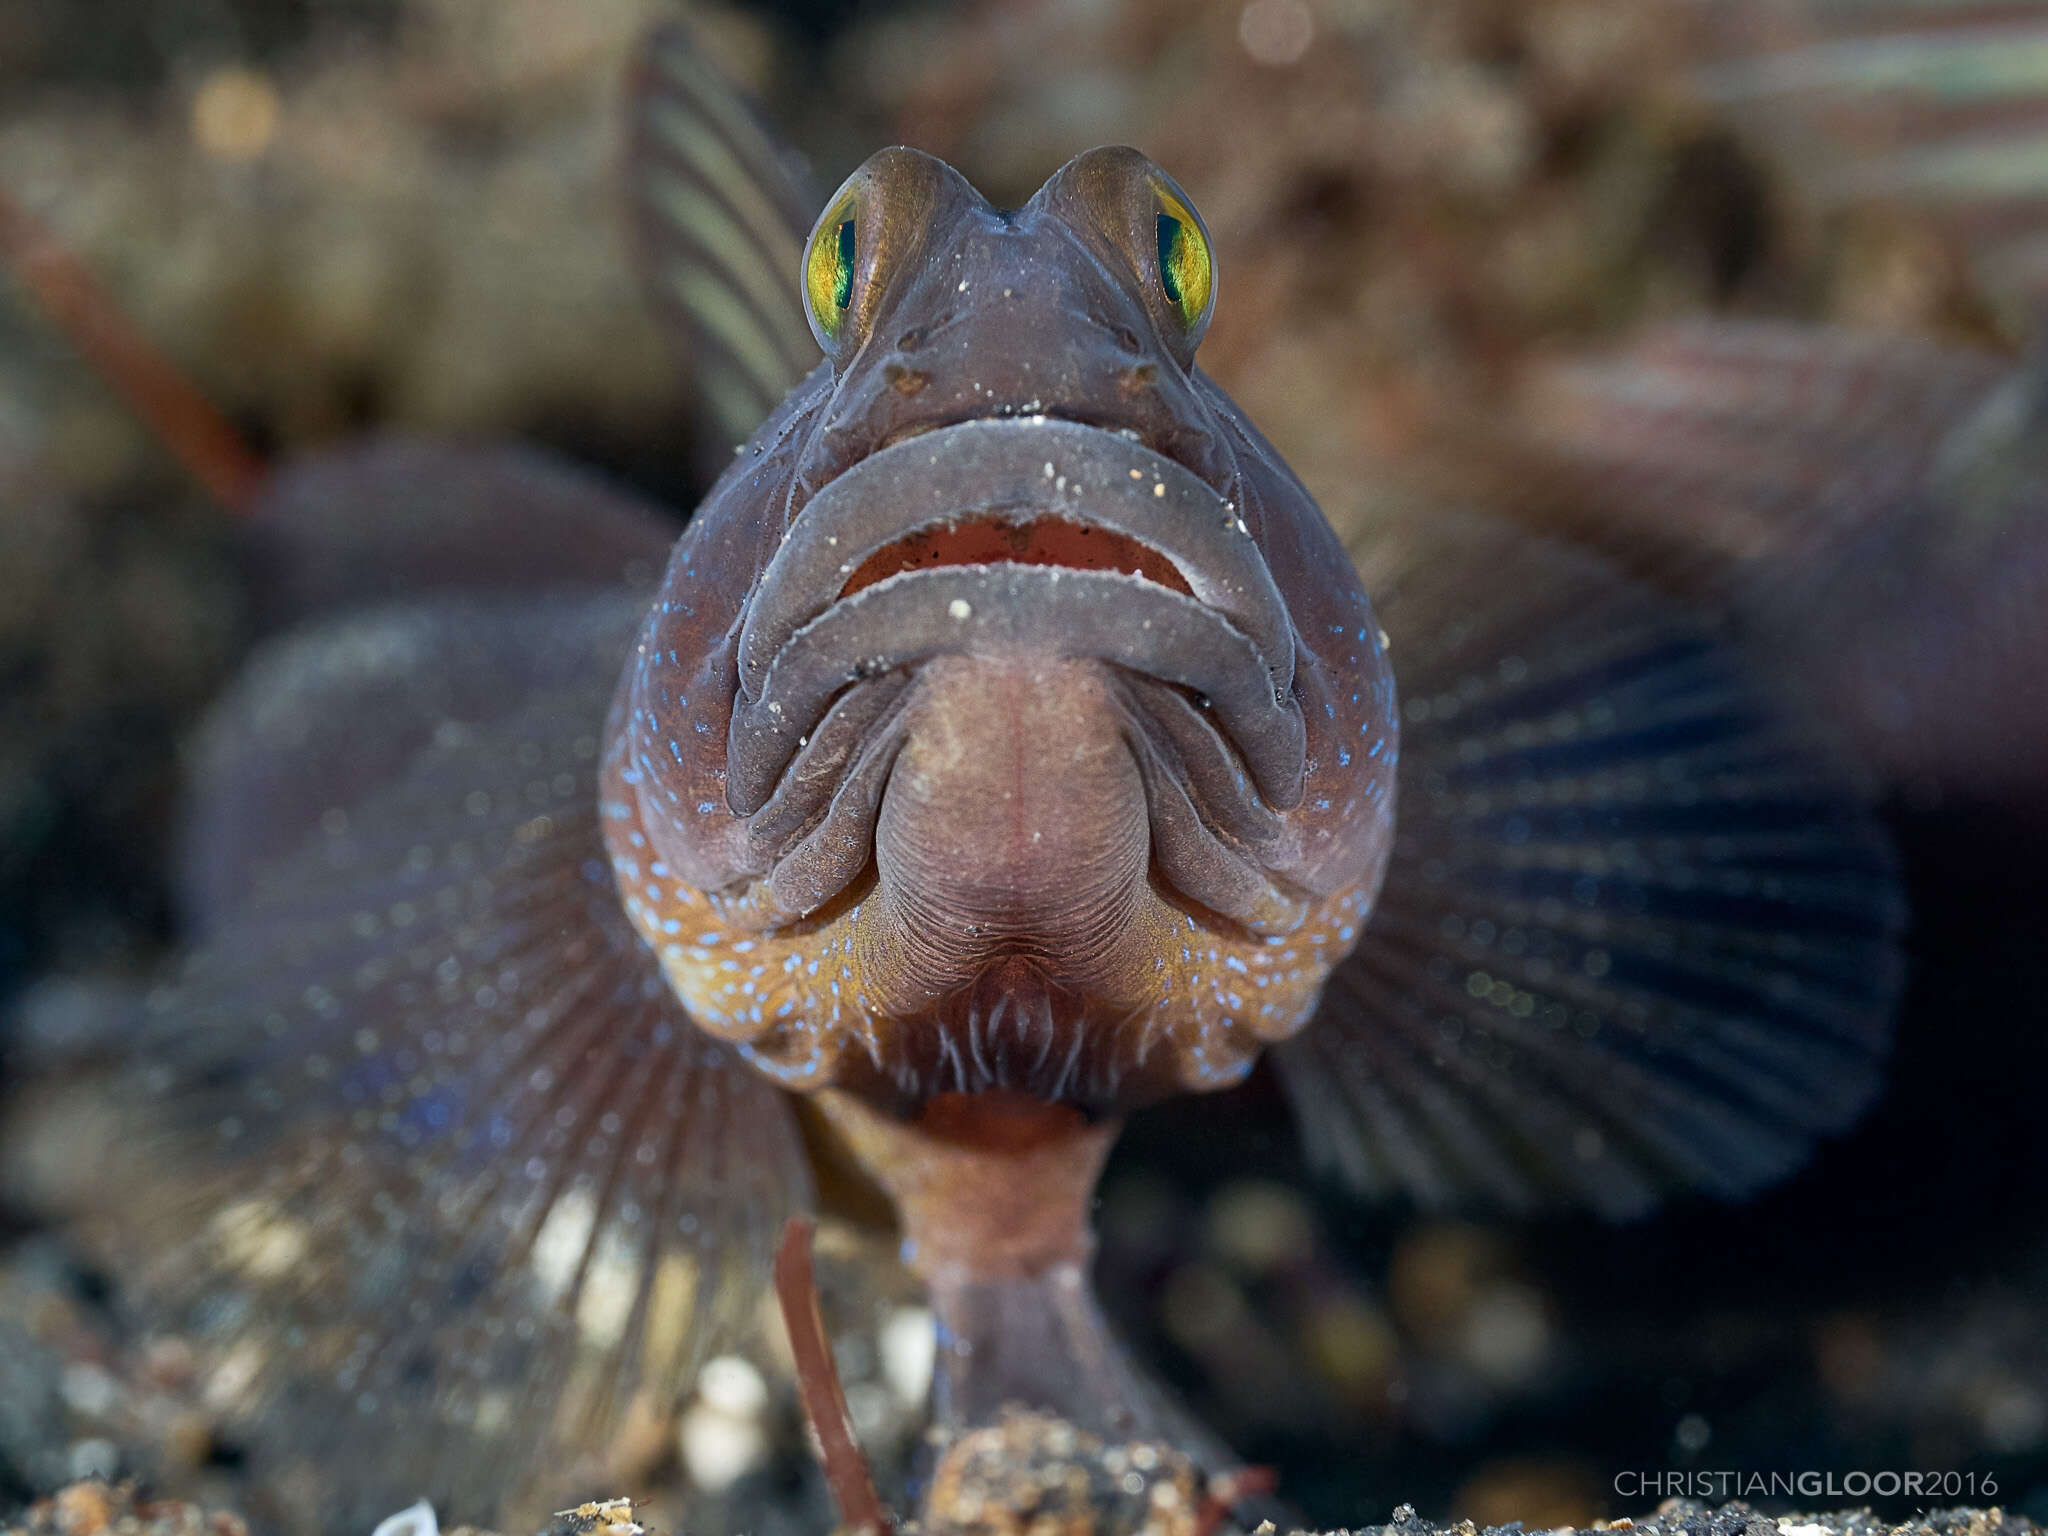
{"x":1941,"y":108}
{"x":428,"y":1136}
{"x":721,"y":217}
{"x":1637,"y":933}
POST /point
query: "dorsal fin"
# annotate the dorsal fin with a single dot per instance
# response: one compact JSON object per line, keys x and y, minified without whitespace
{"x":1940,"y":106}
{"x":720,"y":212}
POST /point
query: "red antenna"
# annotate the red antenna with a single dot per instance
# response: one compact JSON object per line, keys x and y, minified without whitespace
{"x":187,"y":423}
{"x":846,"y":1466}
{"x":1227,"y":1490}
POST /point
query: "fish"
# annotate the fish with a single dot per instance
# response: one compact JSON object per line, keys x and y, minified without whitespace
{"x":1007,"y":743}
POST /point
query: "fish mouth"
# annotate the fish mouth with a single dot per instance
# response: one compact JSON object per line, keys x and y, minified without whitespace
{"x":1008,"y":537}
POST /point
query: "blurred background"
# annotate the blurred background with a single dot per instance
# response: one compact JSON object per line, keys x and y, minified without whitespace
{"x":341,"y":217}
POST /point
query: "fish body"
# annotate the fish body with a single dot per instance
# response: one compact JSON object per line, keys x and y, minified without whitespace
{"x":1008,"y":742}
{"x":1011,"y":742}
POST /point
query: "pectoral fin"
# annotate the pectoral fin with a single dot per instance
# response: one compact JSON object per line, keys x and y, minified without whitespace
{"x":397,"y":519}
{"x":1637,"y":934}
{"x":428,"y":1157}
{"x":320,"y":719}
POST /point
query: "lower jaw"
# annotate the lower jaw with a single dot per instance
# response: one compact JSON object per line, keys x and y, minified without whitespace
{"x":1014,"y":1029}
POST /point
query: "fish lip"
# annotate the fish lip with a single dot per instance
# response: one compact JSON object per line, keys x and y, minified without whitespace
{"x":1236,"y":627}
{"x":1012,"y":467}
{"x":1032,"y":414}
{"x":1017,"y":468}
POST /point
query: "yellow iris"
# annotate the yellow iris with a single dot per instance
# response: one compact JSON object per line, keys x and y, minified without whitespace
{"x":1184,"y":269}
{"x":828,"y":269}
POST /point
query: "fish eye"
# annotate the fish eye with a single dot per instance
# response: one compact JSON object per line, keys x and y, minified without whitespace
{"x":1129,"y":209}
{"x":829,"y":264}
{"x":869,"y":236}
{"x":1186,"y":274}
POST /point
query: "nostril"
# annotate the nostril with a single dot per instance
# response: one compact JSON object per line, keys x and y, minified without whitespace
{"x":905,"y":381}
{"x":1125,"y":337}
{"x":911,"y":339}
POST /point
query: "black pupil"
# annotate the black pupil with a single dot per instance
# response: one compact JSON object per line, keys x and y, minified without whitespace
{"x":842,"y":290}
{"x":1170,"y":235}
